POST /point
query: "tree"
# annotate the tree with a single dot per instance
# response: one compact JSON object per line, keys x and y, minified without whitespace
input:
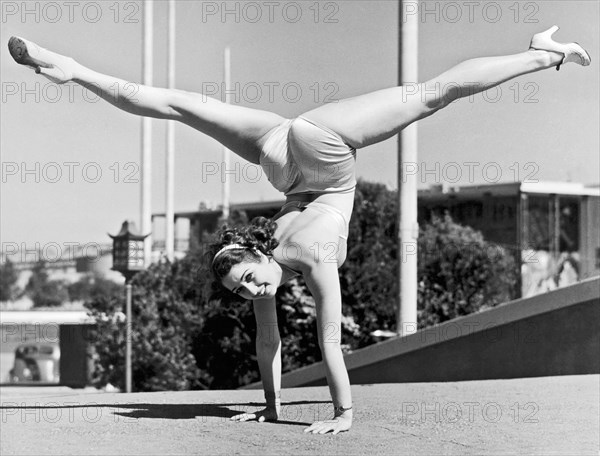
{"x":164,"y":321}
{"x":459,"y":272}
{"x":8,"y":281}
{"x":90,"y":287}
{"x":44,"y":292}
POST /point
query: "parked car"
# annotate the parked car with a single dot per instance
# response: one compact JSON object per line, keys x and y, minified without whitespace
{"x":36,"y":363}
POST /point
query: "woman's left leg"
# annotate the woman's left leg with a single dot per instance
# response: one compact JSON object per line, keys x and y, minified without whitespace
{"x":376,"y":116}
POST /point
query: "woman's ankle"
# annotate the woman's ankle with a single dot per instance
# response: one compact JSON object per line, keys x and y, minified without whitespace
{"x":545,"y":59}
{"x":78,"y":71}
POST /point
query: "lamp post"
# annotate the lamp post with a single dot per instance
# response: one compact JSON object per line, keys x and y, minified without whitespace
{"x":128,"y":259}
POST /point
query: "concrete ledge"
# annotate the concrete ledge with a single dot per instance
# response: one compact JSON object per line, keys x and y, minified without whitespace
{"x":556,"y":333}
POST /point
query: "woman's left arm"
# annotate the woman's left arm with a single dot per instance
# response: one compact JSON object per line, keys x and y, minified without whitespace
{"x":323,"y":282}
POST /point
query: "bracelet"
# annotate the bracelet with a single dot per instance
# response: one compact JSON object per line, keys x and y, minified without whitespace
{"x":341,"y":409}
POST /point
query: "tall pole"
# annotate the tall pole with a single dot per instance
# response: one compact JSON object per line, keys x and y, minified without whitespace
{"x":128,"y":334}
{"x":170,"y":155}
{"x":407,"y":182}
{"x":226,"y":154}
{"x":146,"y":143}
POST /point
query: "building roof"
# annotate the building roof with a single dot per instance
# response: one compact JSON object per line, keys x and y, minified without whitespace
{"x":511,"y":189}
{"x":440,"y":191}
{"x":258,"y":205}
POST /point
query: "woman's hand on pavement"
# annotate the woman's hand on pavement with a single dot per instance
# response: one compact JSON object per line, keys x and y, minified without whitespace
{"x":338,"y":424}
{"x":267,"y":414}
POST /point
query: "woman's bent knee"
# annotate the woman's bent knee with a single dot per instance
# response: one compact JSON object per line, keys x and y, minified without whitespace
{"x":435,"y":96}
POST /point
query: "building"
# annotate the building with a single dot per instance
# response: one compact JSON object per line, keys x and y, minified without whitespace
{"x":190,"y":226}
{"x":552,"y":226}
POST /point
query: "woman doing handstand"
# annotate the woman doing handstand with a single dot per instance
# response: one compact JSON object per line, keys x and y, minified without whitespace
{"x":311,"y":159}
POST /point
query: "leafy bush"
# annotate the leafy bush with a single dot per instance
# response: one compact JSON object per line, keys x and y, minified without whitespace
{"x":44,"y":292}
{"x":224,"y":347}
{"x":165,"y":319}
{"x":91,"y":287}
{"x":8,"y":281}
{"x":460,"y":273}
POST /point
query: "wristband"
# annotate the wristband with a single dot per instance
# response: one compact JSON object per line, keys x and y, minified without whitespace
{"x":341,"y":409}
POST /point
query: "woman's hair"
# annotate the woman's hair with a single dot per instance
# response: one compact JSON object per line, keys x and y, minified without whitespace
{"x":258,"y":235}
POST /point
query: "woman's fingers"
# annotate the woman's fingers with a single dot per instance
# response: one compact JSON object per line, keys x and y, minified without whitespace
{"x":260,"y":416}
{"x":316,"y":425}
{"x":320,"y":427}
{"x":323,"y":427}
{"x":244,"y":417}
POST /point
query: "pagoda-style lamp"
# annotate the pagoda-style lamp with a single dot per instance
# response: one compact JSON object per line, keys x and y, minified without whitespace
{"x":128,"y":259}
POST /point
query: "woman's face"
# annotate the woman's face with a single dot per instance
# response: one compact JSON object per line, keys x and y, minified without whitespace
{"x":254,"y":280}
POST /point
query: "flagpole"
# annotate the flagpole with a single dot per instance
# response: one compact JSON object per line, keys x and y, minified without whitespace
{"x":146,"y":133}
{"x":408,"y":228}
{"x":170,"y":153}
{"x":226,"y":153}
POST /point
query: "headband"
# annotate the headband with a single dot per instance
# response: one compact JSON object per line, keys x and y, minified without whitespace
{"x":228,"y":247}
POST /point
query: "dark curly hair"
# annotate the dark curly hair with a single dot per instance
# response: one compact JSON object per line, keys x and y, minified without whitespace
{"x":258,"y":235}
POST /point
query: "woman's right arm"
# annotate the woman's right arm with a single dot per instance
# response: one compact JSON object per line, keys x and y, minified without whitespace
{"x":268,"y":353}
{"x":268,"y":350}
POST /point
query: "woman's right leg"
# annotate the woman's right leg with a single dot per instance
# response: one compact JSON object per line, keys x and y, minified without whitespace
{"x":376,"y":116}
{"x":240,"y":129}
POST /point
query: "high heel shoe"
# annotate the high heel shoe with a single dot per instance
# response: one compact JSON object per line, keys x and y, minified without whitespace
{"x":572,"y":52}
{"x":56,"y":67}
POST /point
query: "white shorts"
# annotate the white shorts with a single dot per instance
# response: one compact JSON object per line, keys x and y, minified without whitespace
{"x":301,"y":156}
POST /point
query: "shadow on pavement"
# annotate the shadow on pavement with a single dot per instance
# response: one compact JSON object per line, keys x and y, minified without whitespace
{"x":183,"y":411}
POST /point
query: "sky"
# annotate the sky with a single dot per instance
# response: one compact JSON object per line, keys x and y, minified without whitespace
{"x":70,"y":162}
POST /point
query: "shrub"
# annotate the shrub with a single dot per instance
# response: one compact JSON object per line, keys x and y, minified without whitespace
{"x":44,"y":292}
{"x":8,"y":281}
{"x":91,"y":287}
{"x":165,"y":319}
{"x":459,"y":272}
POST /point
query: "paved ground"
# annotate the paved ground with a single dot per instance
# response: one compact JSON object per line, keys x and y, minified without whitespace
{"x":553,"y":415}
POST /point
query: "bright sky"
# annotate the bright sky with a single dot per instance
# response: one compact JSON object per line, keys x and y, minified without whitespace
{"x":70,"y":162}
